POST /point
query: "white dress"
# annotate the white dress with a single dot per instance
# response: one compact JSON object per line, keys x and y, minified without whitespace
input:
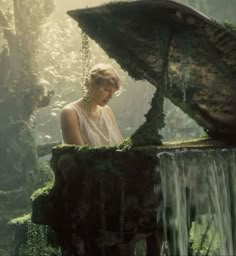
{"x":101,"y":132}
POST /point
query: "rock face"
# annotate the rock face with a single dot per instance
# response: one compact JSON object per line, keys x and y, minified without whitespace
{"x":99,"y":205}
{"x":189,"y":58}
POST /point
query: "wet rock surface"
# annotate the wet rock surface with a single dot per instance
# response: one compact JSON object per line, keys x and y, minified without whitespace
{"x":101,"y":199}
{"x":104,"y":200}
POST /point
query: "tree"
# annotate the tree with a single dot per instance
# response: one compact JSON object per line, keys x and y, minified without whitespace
{"x":21,"y":93}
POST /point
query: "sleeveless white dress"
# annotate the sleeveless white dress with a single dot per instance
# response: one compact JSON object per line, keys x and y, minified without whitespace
{"x":97,"y":133}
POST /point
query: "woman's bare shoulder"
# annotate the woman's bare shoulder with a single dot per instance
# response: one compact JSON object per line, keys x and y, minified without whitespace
{"x":69,"y":125}
{"x":68,"y":111}
{"x":72,"y":106}
{"x":67,"y":106}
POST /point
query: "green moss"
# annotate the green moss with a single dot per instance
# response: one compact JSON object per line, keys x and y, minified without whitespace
{"x":125,"y":145}
{"x":42,"y":191}
{"x":68,"y":148}
{"x":229,"y":26}
{"x":21,"y":220}
{"x":184,"y":142}
{"x":195,"y":143}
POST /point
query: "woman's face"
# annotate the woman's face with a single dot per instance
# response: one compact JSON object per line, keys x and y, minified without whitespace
{"x":103,"y":93}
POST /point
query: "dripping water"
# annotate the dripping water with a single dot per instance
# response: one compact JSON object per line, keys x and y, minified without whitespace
{"x":199,"y":193}
{"x":86,"y":60}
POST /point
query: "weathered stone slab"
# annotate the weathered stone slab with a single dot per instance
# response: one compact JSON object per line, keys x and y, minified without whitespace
{"x":101,"y":199}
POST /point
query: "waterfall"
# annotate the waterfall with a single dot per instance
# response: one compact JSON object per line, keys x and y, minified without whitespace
{"x":198,"y":188}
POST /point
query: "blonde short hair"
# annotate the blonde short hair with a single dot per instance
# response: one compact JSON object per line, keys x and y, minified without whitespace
{"x":104,"y":74}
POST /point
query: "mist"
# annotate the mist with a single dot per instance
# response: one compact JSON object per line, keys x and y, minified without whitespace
{"x":43,"y":53}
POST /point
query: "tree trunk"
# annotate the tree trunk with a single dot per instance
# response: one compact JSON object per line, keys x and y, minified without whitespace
{"x":20,"y":93}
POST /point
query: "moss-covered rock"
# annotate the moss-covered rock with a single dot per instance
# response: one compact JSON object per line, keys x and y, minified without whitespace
{"x":101,"y":198}
{"x":29,"y":239}
{"x":104,"y":198}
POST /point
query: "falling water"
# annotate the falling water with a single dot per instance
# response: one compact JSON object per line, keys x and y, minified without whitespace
{"x":199,"y":190}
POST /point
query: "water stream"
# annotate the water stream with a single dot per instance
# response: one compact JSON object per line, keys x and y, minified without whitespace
{"x":199,"y":193}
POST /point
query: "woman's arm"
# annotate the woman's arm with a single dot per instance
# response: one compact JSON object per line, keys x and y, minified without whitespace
{"x":114,"y":121}
{"x":70,"y":127}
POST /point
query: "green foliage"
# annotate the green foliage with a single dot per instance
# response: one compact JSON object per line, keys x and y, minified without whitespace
{"x":204,"y":238}
{"x":140,"y":248}
{"x":230,"y":26}
{"x":36,"y":243}
{"x":32,"y":240}
{"x":178,"y":125}
{"x":45,"y":174}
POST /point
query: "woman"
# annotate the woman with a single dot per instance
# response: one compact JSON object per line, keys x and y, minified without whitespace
{"x":89,"y":121}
